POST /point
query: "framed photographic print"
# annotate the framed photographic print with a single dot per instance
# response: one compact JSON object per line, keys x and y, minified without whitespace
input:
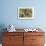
{"x":25,"y":13}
